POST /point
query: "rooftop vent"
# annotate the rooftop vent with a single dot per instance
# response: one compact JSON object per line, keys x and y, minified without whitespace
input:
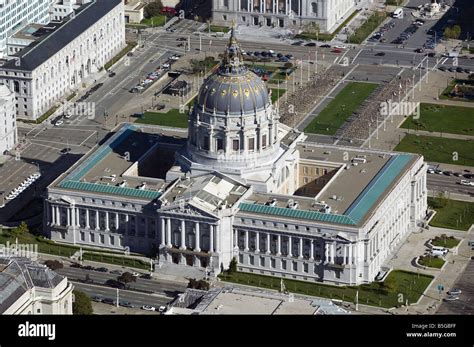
{"x":271,"y":202}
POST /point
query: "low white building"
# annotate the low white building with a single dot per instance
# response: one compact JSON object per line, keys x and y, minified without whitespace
{"x":47,"y":71}
{"x":8,"y":129}
{"x":27,"y":287}
{"x":63,"y":8}
{"x":134,"y":11}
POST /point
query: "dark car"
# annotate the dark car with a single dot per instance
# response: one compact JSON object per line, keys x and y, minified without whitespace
{"x":380,"y":54}
{"x":97,"y":299}
{"x":297,"y":43}
{"x":76,"y":265}
{"x":88,"y":267}
{"x":115,"y":284}
{"x":112,"y":74}
{"x":325,"y":46}
{"x":101,"y":269}
{"x":310,"y":44}
{"x":447,"y":173}
{"x":146,"y":276}
{"x":432,"y":54}
{"x":109,"y":301}
{"x":459,"y":69}
{"x":279,"y":55}
{"x":419,"y":50}
{"x":126,"y":304}
{"x":442,"y":68}
{"x":289,"y":56}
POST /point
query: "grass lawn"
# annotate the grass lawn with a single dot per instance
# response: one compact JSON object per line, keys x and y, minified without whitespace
{"x":219,"y":29}
{"x":340,"y":108}
{"x":128,"y":262}
{"x":446,"y":94}
{"x":454,"y":214}
{"x":446,"y":242}
{"x":276,"y":94}
{"x":431,"y":262}
{"x":173,"y":118}
{"x":438,"y":149}
{"x":156,"y":21}
{"x":443,"y":118}
{"x":385,"y":294}
{"x":362,"y":32}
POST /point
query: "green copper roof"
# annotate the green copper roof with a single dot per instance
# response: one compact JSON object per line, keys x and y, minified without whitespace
{"x":113,"y":190}
{"x":301,"y":214}
{"x":377,"y":186}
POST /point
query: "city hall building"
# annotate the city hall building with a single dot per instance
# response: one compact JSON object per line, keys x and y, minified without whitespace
{"x":239,"y":184}
{"x":60,"y":55}
{"x":8,"y":126}
{"x":282,"y":13}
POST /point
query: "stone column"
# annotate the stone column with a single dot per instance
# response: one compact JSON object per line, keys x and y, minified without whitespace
{"x":279,"y":245}
{"x":350,"y":260}
{"x":68,"y":213}
{"x":268,"y":244}
{"x":236,"y":238}
{"x":198,"y":236}
{"x":168,"y":232}
{"x":58,"y":216}
{"x":326,"y":252}
{"x":107,"y":228}
{"x":311,"y":250}
{"x":333,"y":253}
{"x":344,"y":254}
{"x":211,"y":239}
{"x":117,"y":222}
{"x":52,"y":216}
{"x":290,"y":246}
{"x":300,"y":252}
{"x":257,"y":242}
{"x":246,"y":241}
{"x":127,"y":223}
{"x":183,"y":234}
{"x":96,"y":219}
{"x":87,"y":219}
{"x":217,"y":237}
{"x":163,"y":228}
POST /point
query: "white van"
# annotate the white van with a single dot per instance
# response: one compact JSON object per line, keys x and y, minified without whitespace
{"x":439,"y":251}
{"x":398,"y":13}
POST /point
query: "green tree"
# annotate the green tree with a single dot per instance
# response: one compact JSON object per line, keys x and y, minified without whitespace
{"x":126,"y":278}
{"x":20,"y":230}
{"x":53,"y":264}
{"x":312,"y":28}
{"x":82,"y":304}
{"x":153,"y":9}
{"x":452,"y":32}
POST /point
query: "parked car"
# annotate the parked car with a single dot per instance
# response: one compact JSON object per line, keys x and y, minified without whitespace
{"x":465,"y":183}
{"x":112,"y":74}
{"x":126,"y":304}
{"x":88,"y":267}
{"x":325,"y":46}
{"x":148,"y":308}
{"x":297,"y":43}
{"x":451,"y":298}
{"x":380,"y":54}
{"x":101,"y":269}
{"x":455,"y":291}
{"x":336,"y":50}
{"x":116,"y":272}
{"x":135,"y":274}
{"x":146,"y":276}
{"x":311,"y":44}
{"x":115,"y":284}
{"x":162,"y":309}
{"x":58,"y":123}
{"x":75,"y":265}
{"x":97,"y":299}
{"x":109,"y":301}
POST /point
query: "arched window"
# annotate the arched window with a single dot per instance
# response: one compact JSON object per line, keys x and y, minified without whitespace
{"x":314,"y":8}
{"x":16,"y":86}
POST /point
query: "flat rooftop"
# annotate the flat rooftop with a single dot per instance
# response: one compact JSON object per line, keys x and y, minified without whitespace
{"x":362,"y":180}
{"x":63,"y":34}
{"x":131,"y":163}
{"x":31,"y":32}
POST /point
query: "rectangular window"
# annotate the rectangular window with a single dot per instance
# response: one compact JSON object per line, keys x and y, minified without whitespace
{"x":273,"y":263}
{"x":305,"y":267}
{"x":264,"y":141}
{"x":235,"y":145}
{"x":305,"y":180}
{"x":83,"y":236}
{"x":251,"y":144}
{"x":251,"y":260}
{"x":283,"y":264}
{"x":112,"y":240}
{"x":102,"y":239}
{"x":220,"y":144}
{"x":205,"y":144}
{"x":305,"y":170}
{"x":295,"y":266}
{"x":262,"y":261}
{"x":92,"y":237}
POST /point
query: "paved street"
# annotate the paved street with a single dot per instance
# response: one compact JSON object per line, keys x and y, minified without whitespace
{"x":465,"y":304}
